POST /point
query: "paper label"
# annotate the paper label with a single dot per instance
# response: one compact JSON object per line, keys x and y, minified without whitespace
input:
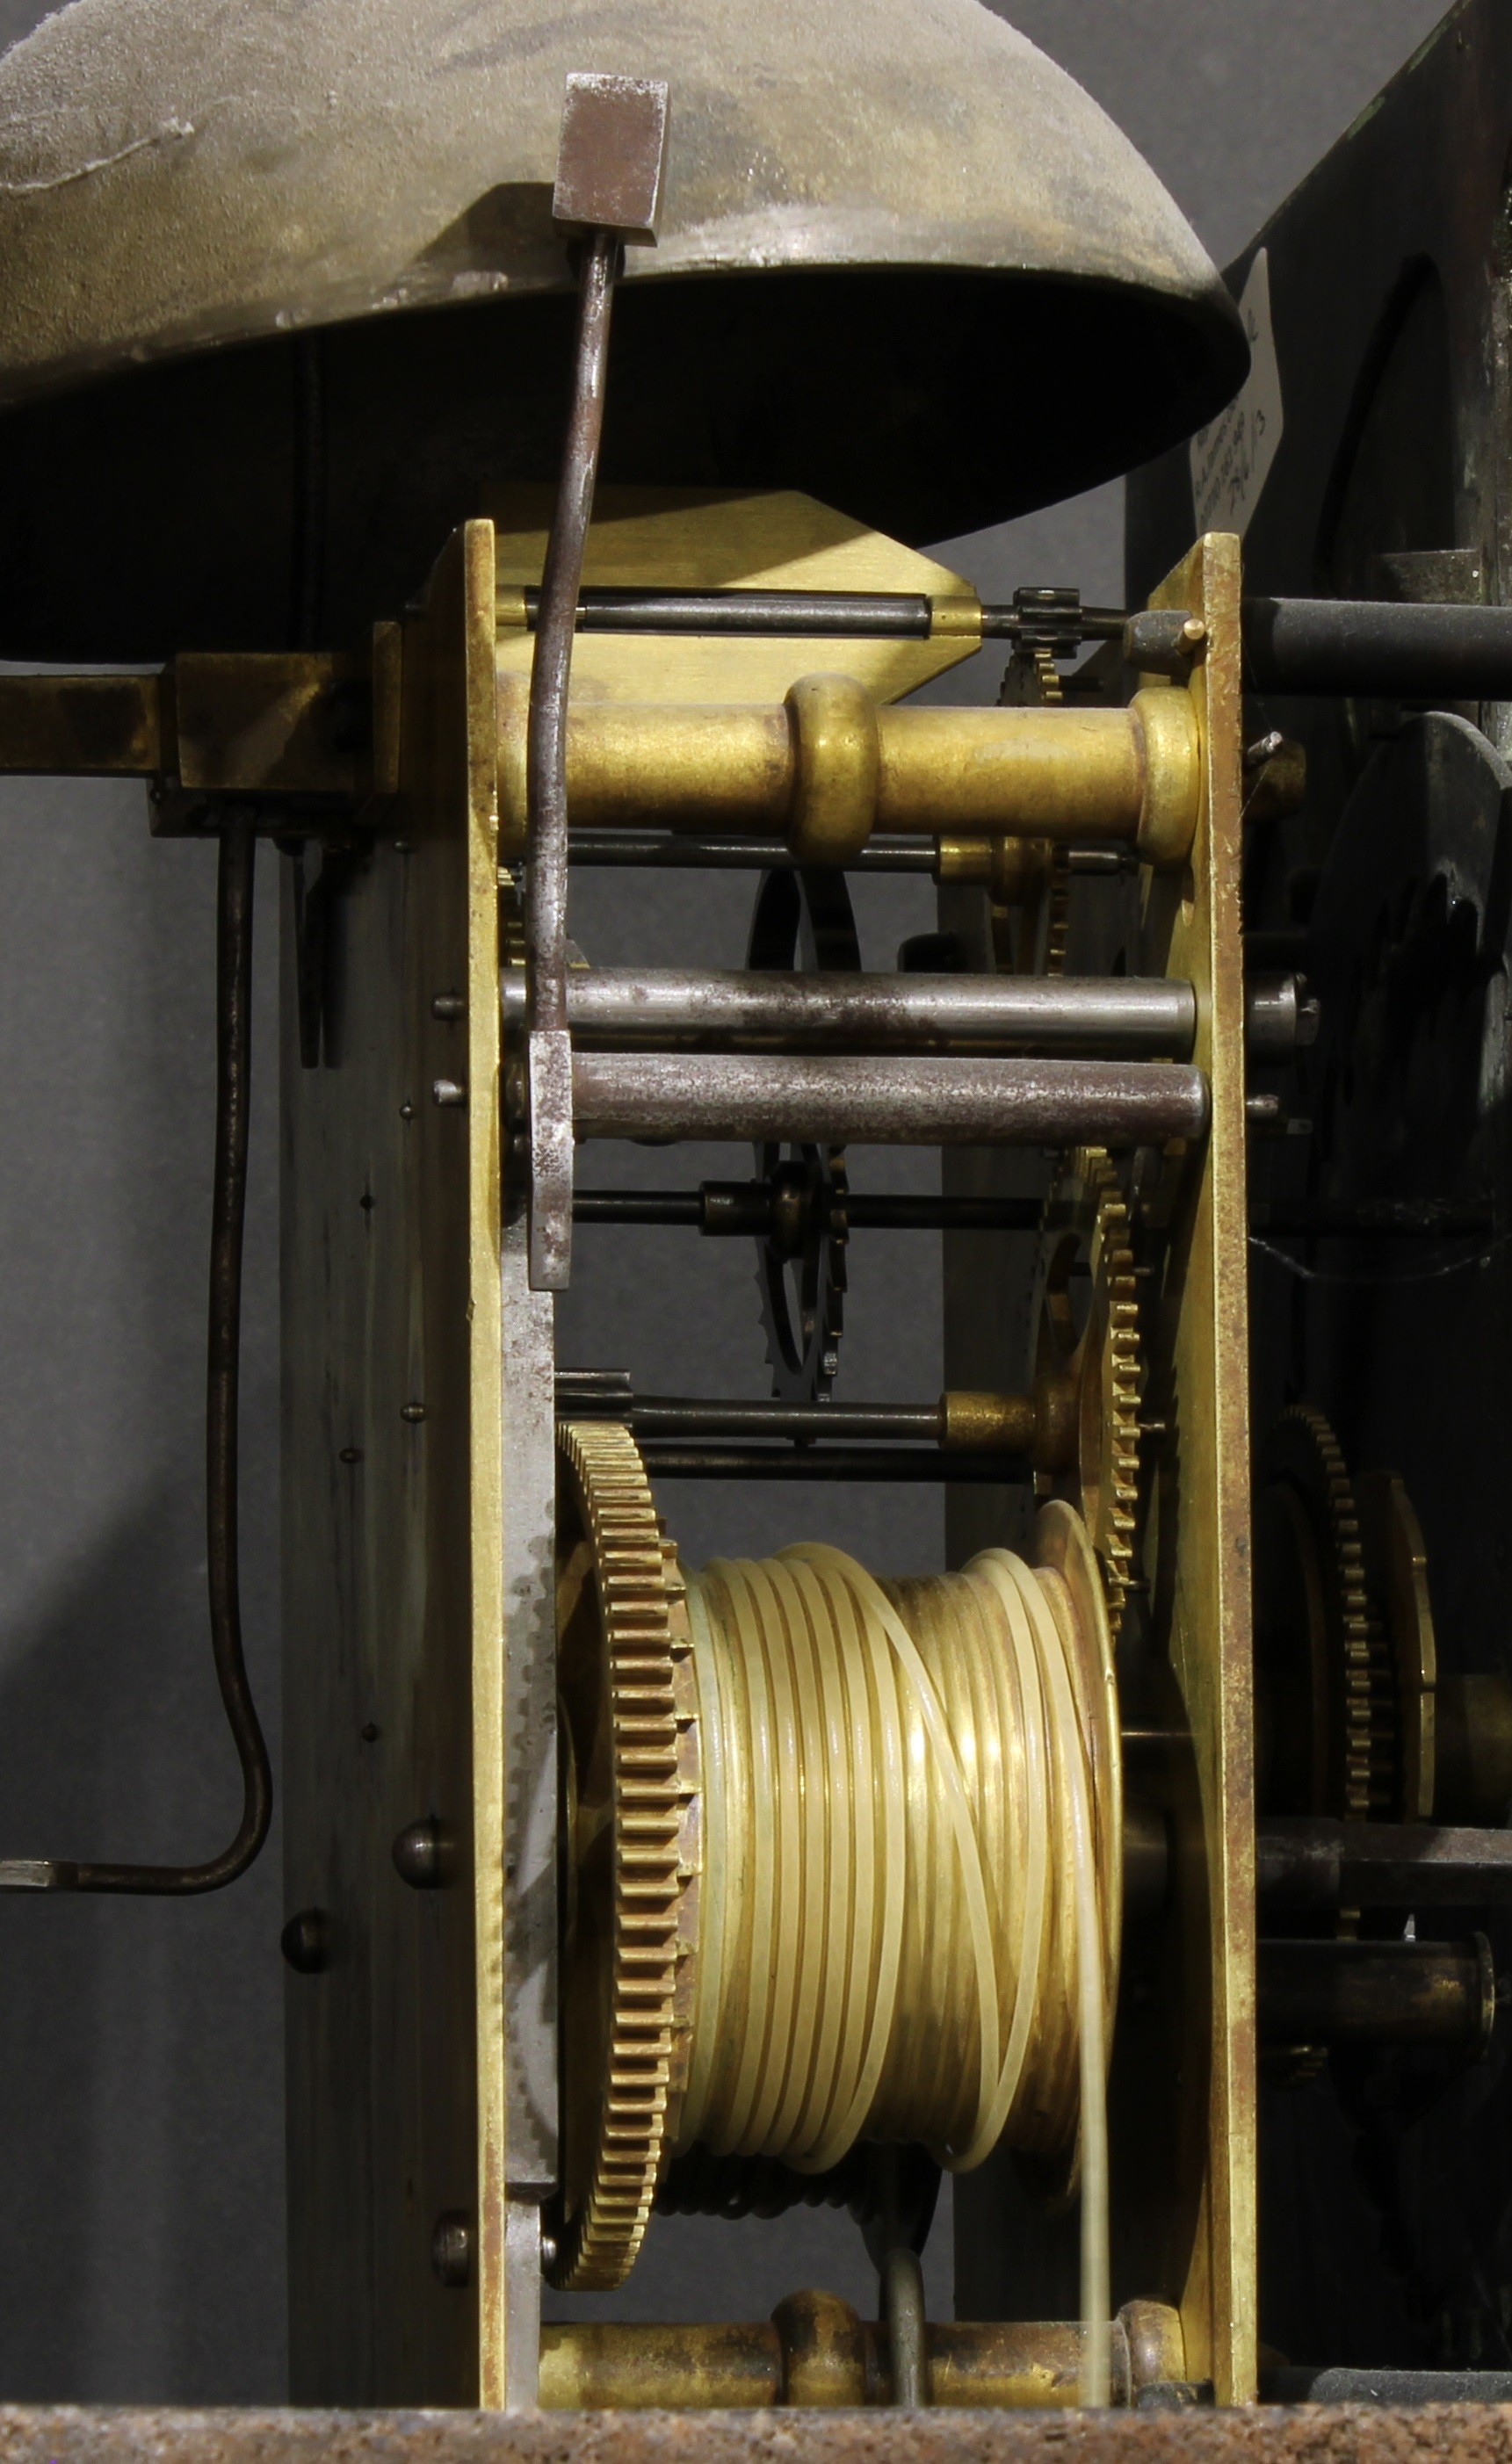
{"x":1230,"y":460}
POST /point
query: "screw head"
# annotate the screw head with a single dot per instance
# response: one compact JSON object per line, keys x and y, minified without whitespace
{"x":306,"y":1941}
{"x":452,"y":2248}
{"x":422,"y":1855}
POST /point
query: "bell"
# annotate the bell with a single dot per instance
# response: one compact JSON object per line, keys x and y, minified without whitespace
{"x":283,"y":300}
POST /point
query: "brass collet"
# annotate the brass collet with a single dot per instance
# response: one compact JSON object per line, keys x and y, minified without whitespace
{"x":829,"y":765}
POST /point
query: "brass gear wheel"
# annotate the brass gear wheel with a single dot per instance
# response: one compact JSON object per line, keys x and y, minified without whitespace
{"x":1031,"y":918}
{"x":629,"y":1756}
{"x":801,"y":1269}
{"x":1322,"y":1650}
{"x":1086,"y":1359}
{"x":803,"y":919}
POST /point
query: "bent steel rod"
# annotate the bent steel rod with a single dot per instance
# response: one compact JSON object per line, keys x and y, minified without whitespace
{"x":925,"y":1101}
{"x":1122,"y":1016}
{"x":550,"y":1228}
{"x":228,"y":1216}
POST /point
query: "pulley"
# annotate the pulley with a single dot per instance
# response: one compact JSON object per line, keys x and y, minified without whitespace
{"x":845,"y":1857}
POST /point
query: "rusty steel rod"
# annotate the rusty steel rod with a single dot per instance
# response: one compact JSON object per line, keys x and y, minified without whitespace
{"x":919,"y":1101}
{"x":1123,"y":1018}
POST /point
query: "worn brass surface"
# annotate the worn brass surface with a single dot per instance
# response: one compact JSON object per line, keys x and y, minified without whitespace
{"x":1056,"y":774}
{"x":594,"y":2365}
{"x":971,"y":1420}
{"x":1199,"y":1546}
{"x":708,"y":538}
{"x":297,"y":723}
{"x":392,"y":1603}
{"x":104,"y":727}
{"x":1016,"y":872}
{"x":817,"y":2344}
{"x":279,"y":724}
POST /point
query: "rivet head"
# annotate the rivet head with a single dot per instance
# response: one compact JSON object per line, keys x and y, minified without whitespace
{"x":306,"y":1941}
{"x":422,"y":1855}
{"x":446,"y":1092}
{"x":452,"y":2248}
{"x":352,"y":1454}
{"x":412,"y":1411}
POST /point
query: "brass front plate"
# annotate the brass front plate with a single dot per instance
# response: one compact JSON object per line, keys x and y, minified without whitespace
{"x":393,"y":1709}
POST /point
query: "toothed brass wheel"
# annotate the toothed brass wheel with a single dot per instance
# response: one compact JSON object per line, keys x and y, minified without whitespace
{"x":629,"y":1893}
{"x":1322,"y":1655}
{"x":1086,"y":1359}
{"x":803,"y":919}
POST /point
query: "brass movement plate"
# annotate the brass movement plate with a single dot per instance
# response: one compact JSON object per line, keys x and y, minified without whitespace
{"x":1198,"y":1550}
{"x":393,"y":1620}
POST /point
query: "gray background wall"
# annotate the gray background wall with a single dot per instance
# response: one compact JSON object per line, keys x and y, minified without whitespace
{"x":140,"y":2126}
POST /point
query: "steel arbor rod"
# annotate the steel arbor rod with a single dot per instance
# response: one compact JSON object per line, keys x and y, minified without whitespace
{"x":742,"y":1210}
{"x":1122,"y":1016}
{"x":865,"y":1463}
{"x":926,"y":1101}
